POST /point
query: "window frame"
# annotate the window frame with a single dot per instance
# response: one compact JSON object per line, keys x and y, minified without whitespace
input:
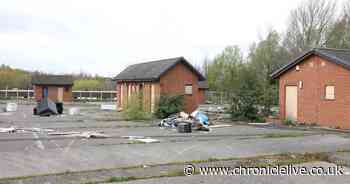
{"x":188,"y":85}
{"x":326,"y":97}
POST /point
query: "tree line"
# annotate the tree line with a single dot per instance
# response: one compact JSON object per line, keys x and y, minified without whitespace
{"x":11,"y":78}
{"x":314,"y":23}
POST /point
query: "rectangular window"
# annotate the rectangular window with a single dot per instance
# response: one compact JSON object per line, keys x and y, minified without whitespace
{"x":330,"y":93}
{"x":188,"y":89}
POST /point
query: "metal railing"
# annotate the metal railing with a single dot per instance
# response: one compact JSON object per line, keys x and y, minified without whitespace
{"x":28,"y":94}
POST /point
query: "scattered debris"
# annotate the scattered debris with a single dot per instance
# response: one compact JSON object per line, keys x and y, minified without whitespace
{"x":8,"y":130}
{"x":184,"y":115}
{"x":59,"y":107}
{"x":37,"y":130}
{"x":24,"y":130}
{"x":213,"y":108}
{"x":133,"y":137}
{"x":46,"y":107}
{"x":201,"y":117}
{"x":63,"y":133}
{"x":11,"y":107}
{"x":148,"y":140}
{"x":170,"y":122}
{"x":215,"y":112}
{"x":88,"y":134}
{"x":184,"y":128}
{"x":142,"y":139}
{"x":74,"y":111}
{"x":220,"y":126}
{"x":108,"y":107}
{"x":94,"y":135}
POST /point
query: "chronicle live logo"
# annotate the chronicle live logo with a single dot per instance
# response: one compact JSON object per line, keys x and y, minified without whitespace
{"x":288,"y":170}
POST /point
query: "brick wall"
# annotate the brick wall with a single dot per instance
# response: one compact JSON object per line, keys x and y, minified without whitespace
{"x":53,"y":92}
{"x":315,"y":73}
{"x":174,"y":81}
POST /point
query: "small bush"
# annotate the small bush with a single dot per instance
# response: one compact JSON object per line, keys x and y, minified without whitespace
{"x":120,"y":179}
{"x":244,"y":105}
{"x":134,"y":109}
{"x":243,"y":109}
{"x":169,"y":104}
{"x":260,"y":119}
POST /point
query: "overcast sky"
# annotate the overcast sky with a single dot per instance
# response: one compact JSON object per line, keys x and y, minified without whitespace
{"x":105,"y":36}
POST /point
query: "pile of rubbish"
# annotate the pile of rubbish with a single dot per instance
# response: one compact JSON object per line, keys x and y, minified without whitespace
{"x":47,"y":107}
{"x":216,"y":112}
{"x":197,"y":120}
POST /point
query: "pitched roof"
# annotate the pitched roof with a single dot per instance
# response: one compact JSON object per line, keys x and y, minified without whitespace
{"x":152,"y":71}
{"x":60,"y":80}
{"x":338,"y":56}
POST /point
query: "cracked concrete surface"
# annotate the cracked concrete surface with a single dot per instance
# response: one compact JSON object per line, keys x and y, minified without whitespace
{"x":24,"y":154}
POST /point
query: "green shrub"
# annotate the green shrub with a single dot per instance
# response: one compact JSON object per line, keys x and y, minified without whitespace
{"x":260,"y":119}
{"x":134,"y":110}
{"x":120,"y":179}
{"x":243,"y":109}
{"x":169,"y":104}
{"x":244,"y":105}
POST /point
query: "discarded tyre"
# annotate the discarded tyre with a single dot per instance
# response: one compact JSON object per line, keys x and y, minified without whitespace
{"x":184,"y":128}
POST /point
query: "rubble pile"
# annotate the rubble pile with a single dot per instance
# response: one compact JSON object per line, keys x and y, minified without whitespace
{"x":197,"y":120}
{"x":215,"y":112}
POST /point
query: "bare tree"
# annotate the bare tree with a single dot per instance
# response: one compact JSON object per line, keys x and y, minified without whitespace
{"x":339,"y":34}
{"x":347,"y":9}
{"x":308,"y":25}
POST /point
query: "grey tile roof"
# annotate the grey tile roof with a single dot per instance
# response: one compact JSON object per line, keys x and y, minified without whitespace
{"x":60,"y":80}
{"x":152,"y":71}
{"x":338,"y":56}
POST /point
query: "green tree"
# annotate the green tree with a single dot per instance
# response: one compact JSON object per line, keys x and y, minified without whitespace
{"x":14,"y":78}
{"x":222,"y":73}
{"x":244,"y":104}
{"x":266,"y":57}
{"x":88,"y":84}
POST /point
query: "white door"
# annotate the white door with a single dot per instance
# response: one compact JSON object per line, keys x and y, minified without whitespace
{"x":292,"y":102}
{"x":60,"y":95}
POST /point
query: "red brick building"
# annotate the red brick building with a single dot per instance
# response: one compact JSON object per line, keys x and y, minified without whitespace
{"x":57,"y":88}
{"x":315,"y":88}
{"x":174,"y":76}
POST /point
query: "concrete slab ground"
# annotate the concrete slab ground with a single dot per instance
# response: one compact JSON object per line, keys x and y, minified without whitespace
{"x":23,"y":154}
{"x":254,"y":179}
